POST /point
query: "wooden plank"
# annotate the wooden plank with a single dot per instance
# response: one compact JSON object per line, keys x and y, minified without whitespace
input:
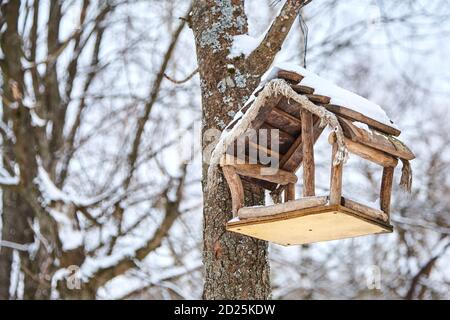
{"x":356,"y":116}
{"x":290,"y":192}
{"x":258,"y":171}
{"x":236,"y":189}
{"x":371,"y":212}
{"x":264,"y":111}
{"x":284,"y":138}
{"x":290,"y":76}
{"x":293,"y":158}
{"x":308,"y":154}
{"x":290,"y":106}
{"x":317,"y":98}
{"x":368,"y":153}
{"x":302,"y":89}
{"x":283,"y":120}
{"x":386,"y":189}
{"x":377,"y":140}
{"x":260,"y":183}
{"x":288,"y":206}
{"x":261,"y":150}
{"x":335,"y":179}
{"x":315,"y":224}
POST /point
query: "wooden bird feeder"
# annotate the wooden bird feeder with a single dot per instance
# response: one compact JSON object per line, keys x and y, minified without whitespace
{"x":310,"y":218}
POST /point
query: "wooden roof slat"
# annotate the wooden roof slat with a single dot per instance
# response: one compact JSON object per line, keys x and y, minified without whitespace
{"x":302,"y":89}
{"x":379,"y":157}
{"x":259,"y":171}
{"x":285,"y":138}
{"x":317,"y":98}
{"x":290,"y":76}
{"x":264,"y":111}
{"x":267,"y":151}
{"x":356,"y":116}
{"x":292,"y":159}
{"x":289,"y":106}
{"x":283,"y":120}
{"x":376,"y":140}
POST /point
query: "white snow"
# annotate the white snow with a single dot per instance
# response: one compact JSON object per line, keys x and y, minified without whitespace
{"x":163,"y":278}
{"x":53,"y":193}
{"x":93,"y":264}
{"x":362,"y":126}
{"x":6,"y":179}
{"x":9,"y":181}
{"x":36,"y":121}
{"x":338,"y":95}
{"x":14,"y":245}
{"x":244,"y":44}
{"x":71,"y":238}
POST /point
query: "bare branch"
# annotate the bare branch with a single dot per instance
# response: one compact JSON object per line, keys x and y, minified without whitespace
{"x":189,"y":77}
{"x":172,"y":212}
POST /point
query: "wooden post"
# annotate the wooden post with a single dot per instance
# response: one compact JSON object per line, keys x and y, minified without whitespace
{"x":335,"y":179}
{"x":308,"y":153}
{"x":236,"y":188}
{"x":289,"y":192}
{"x":386,"y":189}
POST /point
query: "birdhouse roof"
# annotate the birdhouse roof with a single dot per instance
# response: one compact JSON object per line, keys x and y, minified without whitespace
{"x":326,"y":93}
{"x":363,"y":122}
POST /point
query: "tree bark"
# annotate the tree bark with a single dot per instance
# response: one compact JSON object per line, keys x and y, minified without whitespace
{"x":236,"y":267}
{"x":18,"y":214}
{"x":15,"y":228}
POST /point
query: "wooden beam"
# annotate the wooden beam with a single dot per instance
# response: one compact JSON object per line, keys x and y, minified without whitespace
{"x":263,"y":150}
{"x":258,"y":171}
{"x":264,"y":111}
{"x":255,"y":212}
{"x":294,"y":108}
{"x":368,"y":153}
{"x":289,"y":192}
{"x":386,"y":189}
{"x":335,"y":179}
{"x":285,"y":138}
{"x":376,"y":140}
{"x":308,"y":154}
{"x":282,"y":120}
{"x":302,"y":89}
{"x":293,"y":158}
{"x":290,"y":76}
{"x":357,"y":116}
{"x":236,"y":188}
{"x":317,"y":98}
{"x":371,"y":212}
{"x":290,"y":106}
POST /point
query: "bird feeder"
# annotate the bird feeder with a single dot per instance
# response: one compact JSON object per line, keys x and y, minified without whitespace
{"x":297,"y":110}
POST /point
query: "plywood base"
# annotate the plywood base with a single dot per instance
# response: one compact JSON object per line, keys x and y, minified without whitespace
{"x":321,"y":223}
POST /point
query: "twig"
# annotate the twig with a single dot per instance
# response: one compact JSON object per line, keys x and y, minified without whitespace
{"x":189,"y":77}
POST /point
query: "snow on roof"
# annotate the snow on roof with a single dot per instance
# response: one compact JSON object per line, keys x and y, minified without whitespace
{"x":339,"y":96}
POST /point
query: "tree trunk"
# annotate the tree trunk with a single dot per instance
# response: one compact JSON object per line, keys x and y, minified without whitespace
{"x":236,"y":266}
{"x":16,"y":229}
